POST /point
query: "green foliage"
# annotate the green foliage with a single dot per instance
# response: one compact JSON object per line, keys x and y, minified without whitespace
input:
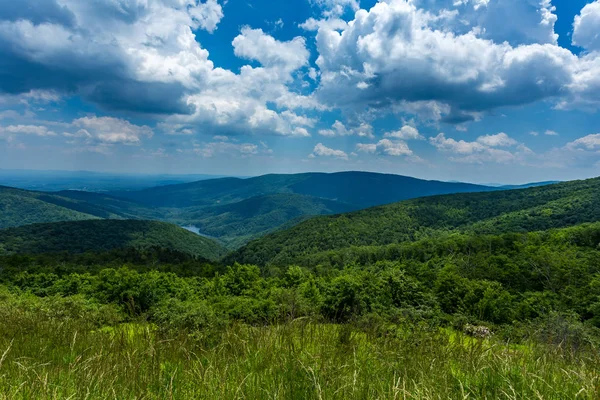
{"x":19,"y":207}
{"x":49,"y":358}
{"x":526,"y":210}
{"x":353,"y":306}
{"x":104,"y":235}
{"x":232,"y":210}
{"x":236,"y":224}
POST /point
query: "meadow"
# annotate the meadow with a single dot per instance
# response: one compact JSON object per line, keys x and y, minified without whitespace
{"x":67,"y":348}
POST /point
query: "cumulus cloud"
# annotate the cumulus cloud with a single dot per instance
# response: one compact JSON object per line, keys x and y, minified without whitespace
{"x":34,"y":130}
{"x":550,"y":132}
{"x":254,"y":44}
{"x":143,"y":57}
{"x":586,"y":27}
{"x":397,"y":54}
{"x":456,"y":146}
{"x":407,"y":132}
{"x":499,"y":140}
{"x":333,"y":8}
{"x":110,"y":130}
{"x":339,"y":129}
{"x":484,"y":149}
{"x":386,"y":147}
{"x":589,"y":142}
{"x":323,"y":151}
{"x":138,"y":52}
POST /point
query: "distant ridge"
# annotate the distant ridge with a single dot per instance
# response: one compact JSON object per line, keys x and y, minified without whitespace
{"x":360,"y":189}
{"x":539,"y":208}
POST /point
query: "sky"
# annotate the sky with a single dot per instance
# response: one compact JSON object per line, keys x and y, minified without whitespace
{"x":503,"y":91}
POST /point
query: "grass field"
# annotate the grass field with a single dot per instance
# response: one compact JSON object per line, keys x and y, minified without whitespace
{"x":56,"y":356}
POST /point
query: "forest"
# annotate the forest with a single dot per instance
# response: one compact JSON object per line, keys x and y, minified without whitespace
{"x":479,"y":295}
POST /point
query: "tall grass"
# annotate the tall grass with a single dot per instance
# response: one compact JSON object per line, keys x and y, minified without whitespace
{"x":49,"y":356}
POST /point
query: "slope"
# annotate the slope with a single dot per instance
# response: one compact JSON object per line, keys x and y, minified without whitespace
{"x":361,"y":189}
{"x":539,"y":208}
{"x":237,"y":223}
{"x":20,"y":207}
{"x":104,"y":235}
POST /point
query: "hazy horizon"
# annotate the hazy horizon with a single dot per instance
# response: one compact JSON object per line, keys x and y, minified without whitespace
{"x":4,"y":172}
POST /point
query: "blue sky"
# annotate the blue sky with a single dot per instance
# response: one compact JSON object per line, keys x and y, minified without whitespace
{"x":476,"y":90}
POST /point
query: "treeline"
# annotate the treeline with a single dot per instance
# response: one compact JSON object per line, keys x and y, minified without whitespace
{"x":498,"y":280}
{"x":105,"y":235}
{"x":535,"y":209}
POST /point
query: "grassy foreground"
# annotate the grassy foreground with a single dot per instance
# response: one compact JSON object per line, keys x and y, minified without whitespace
{"x":46,"y":356}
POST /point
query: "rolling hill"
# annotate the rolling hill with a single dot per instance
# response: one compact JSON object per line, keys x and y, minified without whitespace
{"x":539,"y":208}
{"x":104,"y":235}
{"x":21,"y":207}
{"x":237,"y":223}
{"x":360,"y":189}
{"x":232,"y":210}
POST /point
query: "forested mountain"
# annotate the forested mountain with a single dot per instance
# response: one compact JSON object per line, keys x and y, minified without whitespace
{"x":232,"y":210}
{"x":105,"y":235}
{"x":110,"y":205}
{"x":21,"y":207}
{"x":525,"y":210}
{"x":361,"y":189}
{"x":237,"y":223}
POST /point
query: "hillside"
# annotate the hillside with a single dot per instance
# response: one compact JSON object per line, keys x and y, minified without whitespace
{"x":117,"y":207}
{"x":104,"y":235}
{"x":21,"y":207}
{"x":237,"y":223}
{"x":360,"y":189}
{"x":539,"y":208}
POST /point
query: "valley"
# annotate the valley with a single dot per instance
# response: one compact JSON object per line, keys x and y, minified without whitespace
{"x":304,"y":276}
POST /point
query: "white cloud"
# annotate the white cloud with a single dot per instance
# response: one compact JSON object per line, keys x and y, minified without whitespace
{"x":322,"y":151}
{"x":296,"y":119}
{"x":339,"y":129}
{"x":483,"y":150}
{"x":454,"y":146}
{"x":299,"y":131}
{"x":551,"y":133}
{"x":407,"y":132}
{"x":589,"y":142}
{"x":254,"y":44}
{"x":397,"y":53}
{"x":110,"y":130}
{"x":586,"y":27}
{"x":206,"y":15}
{"x":34,"y":130}
{"x":534,"y":133}
{"x":143,"y":56}
{"x":499,"y":140}
{"x":334,"y":8}
{"x":386,"y":147}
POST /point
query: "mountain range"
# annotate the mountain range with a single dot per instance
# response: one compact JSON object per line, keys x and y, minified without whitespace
{"x":526,"y":210}
{"x":274,"y":226}
{"x":233,"y":210}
